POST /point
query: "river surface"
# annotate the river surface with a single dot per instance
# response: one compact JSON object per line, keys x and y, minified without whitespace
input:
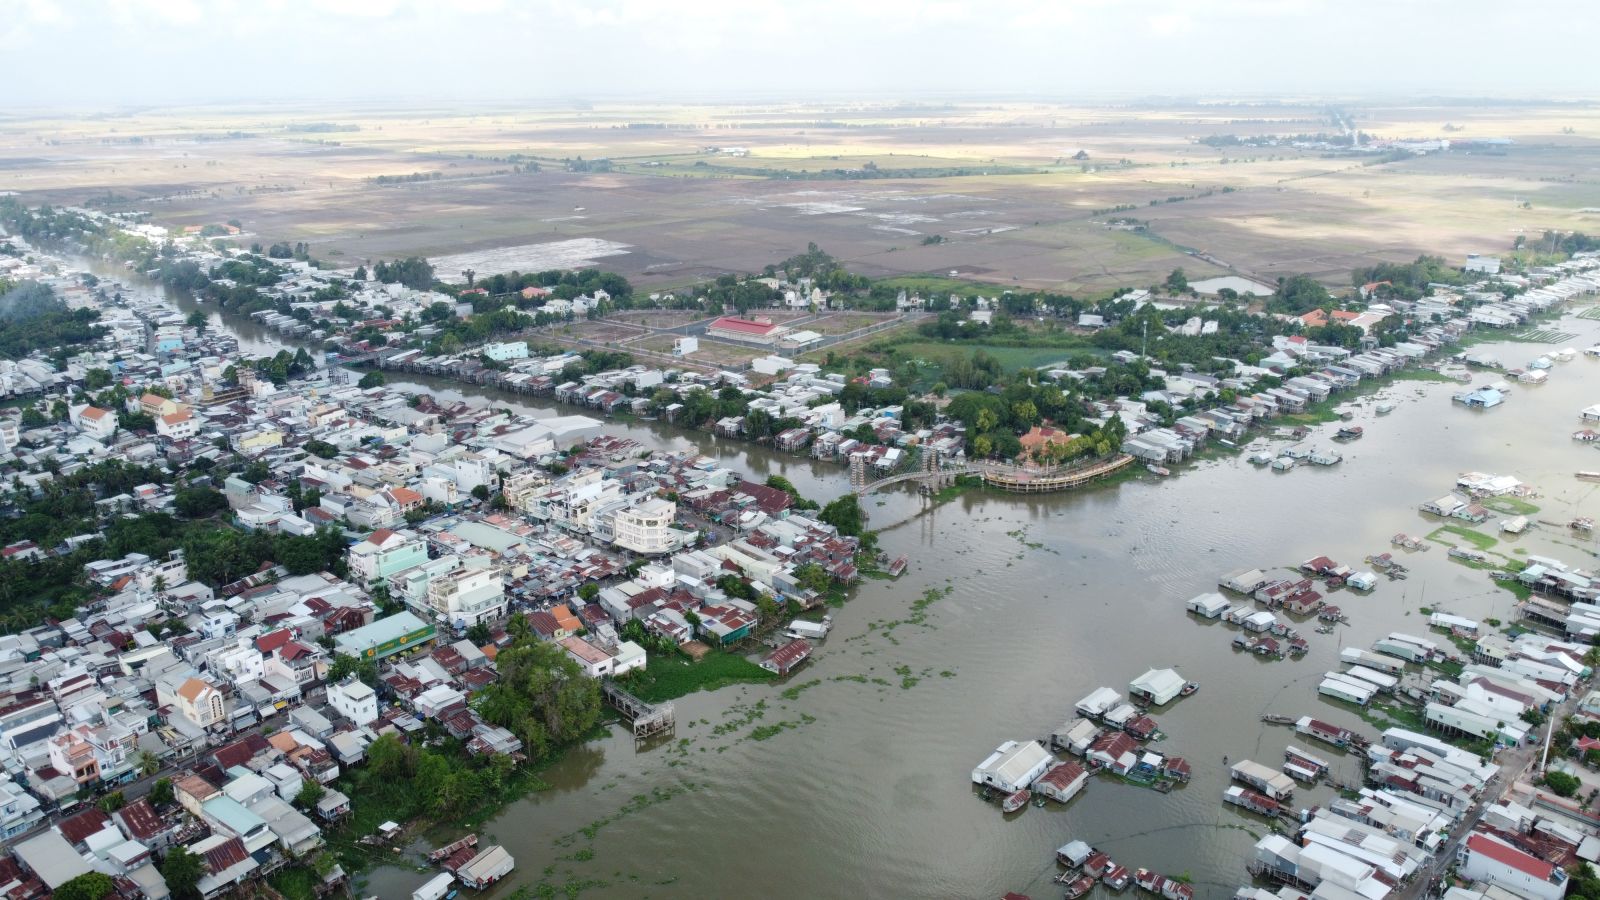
{"x":865,"y":790}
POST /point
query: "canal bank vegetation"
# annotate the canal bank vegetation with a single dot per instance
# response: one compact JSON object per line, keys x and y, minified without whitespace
{"x":541,"y":697}
{"x":670,"y":676}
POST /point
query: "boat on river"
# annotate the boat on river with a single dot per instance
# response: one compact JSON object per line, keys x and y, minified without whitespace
{"x":1189,"y":687}
{"x":1588,"y":475}
{"x":1582,"y":523}
{"x":1016,"y":801}
{"x":1163,"y":471}
{"x":1384,"y":408}
{"x":1078,"y":887}
{"x":1349,"y":433}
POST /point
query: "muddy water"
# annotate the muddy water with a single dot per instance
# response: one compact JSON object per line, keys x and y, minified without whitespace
{"x":866,"y":790}
{"x":852,"y":779}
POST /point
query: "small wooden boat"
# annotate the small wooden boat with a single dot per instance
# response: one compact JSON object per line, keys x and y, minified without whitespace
{"x":1016,"y":801}
{"x":1079,"y":887}
{"x":1582,"y":523}
{"x":1189,"y":687}
{"x":1384,"y":408}
{"x":1588,"y":475}
{"x":1163,"y":471}
{"x":1587,"y":435}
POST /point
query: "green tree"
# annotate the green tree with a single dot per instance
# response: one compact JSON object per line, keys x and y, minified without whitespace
{"x":844,"y":514}
{"x":149,"y":763}
{"x":199,"y":502}
{"x":542,"y":696}
{"x":310,"y":794}
{"x":345,"y":665}
{"x":813,"y":577}
{"x":322,"y":449}
{"x":182,"y":871}
{"x":1561,"y":783}
{"x":88,"y":886}
{"x":371,"y":380}
{"x":1177,"y":282}
{"x":112,"y":802}
{"x":480,"y":491}
{"x":161,"y":792}
{"x":198,"y":319}
{"x":588,"y":591}
{"x":390,"y":759}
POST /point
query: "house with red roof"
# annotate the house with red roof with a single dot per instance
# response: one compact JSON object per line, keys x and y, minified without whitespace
{"x":1485,"y":857}
{"x":759,"y":331}
{"x":784,"y":659}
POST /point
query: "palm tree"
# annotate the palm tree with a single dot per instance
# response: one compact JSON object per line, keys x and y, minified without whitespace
{"x":149,"y":764}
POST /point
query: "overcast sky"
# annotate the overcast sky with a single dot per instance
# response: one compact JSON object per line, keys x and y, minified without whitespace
{"x":113,"y":52}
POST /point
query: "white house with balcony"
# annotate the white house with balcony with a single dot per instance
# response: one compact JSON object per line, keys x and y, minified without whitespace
{"x":384,"y":553}
{"x":467,"y":594}
{"x":646,"y":527}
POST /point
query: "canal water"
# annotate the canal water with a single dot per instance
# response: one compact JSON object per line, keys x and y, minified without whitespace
{"x":852,"y":778}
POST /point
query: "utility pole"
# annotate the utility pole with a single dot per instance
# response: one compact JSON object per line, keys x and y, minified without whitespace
{"x":1144,"y":337}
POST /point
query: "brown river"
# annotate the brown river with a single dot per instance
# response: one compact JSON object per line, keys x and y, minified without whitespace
{"x":864,"y":788}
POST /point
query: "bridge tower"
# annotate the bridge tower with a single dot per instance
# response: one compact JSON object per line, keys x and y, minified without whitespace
{"x":858,"y":472}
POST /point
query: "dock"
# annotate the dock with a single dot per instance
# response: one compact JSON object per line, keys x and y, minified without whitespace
{"x":648,"y":720}
{"x":450,"y":849}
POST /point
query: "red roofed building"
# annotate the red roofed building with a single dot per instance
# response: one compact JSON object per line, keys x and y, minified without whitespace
{"x":77,"y":827}
{"x":784,"y":659}
{"x":1317,"y":317}
{"x":1062,"y":782}
{"x":1485,"y":858}
{"x":753,"y":330}
{"x":268,"y":643}
{"x":141,"y":822}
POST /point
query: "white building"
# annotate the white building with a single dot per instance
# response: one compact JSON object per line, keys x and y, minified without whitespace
{"x":97,"y":423}
{"x":467,"y":595}
{"x":508,"y":350}
{"x":646,"y":527}
{"x":596,"y":663}
{"x":200,"y":703}
{"x":354,"y":700}
{"x":1484,"y":857}
{"x":1013,"y":765}
{"x":178,"y":426}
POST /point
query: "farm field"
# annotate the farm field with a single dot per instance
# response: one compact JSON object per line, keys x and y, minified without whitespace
{"x":1010,"y":195}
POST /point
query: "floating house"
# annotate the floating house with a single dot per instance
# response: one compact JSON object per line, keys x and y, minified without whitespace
{"x":1013,"y":766}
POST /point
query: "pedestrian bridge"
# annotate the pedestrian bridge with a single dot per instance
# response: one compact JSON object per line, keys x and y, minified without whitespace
{"x":1006,"y":477}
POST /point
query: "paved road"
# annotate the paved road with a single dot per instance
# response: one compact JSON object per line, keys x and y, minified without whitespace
{"x":1513,"y":763}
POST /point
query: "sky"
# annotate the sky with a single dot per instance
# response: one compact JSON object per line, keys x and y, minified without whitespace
{"x":103,"y":53}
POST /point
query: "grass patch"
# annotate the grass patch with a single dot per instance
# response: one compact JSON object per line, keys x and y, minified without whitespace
{"x":669,"y":677}
{"x":918,"y":616}
{"x":1515,"y":506}
{"x":794,"y":692}
{"x":295,"y":882}
{"x":1420,"y":375}
{"x":765,"y":732}
{"x":963,"y":484}
{"x":1010,"y":358}
{"x":638,"y":803}
{"x":1477,"y":539}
